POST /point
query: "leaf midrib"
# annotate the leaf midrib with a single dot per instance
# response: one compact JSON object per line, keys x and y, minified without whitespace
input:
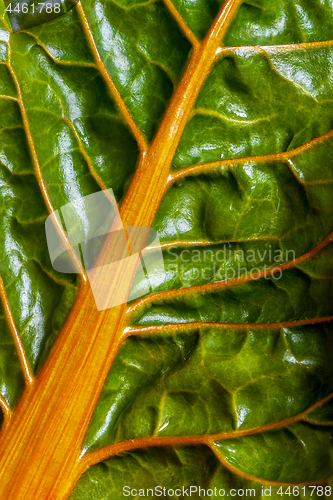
{"x":83,"y":358}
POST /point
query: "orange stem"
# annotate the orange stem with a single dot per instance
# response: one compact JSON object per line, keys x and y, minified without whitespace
{"x":42,"y":446}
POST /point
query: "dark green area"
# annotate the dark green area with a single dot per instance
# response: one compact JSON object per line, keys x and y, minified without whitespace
{"x":212,"y":380}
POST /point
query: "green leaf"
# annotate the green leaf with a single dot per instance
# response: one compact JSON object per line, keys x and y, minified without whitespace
{"x":224,"y":380}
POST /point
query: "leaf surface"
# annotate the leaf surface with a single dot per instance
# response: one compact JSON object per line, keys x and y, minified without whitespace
{"x":223,"y":376}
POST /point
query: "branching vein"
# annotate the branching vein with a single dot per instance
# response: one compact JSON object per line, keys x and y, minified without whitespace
{"x":109,"y":82}
{"x":133,"y":444}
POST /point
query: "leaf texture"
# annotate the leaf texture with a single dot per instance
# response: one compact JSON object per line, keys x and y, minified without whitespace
{"x":222,"y":377}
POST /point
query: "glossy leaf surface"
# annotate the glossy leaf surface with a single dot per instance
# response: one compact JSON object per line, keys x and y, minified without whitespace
{"x":223,"y":378}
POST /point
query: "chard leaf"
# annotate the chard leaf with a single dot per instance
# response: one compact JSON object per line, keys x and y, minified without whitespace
{"x":212,"y":123}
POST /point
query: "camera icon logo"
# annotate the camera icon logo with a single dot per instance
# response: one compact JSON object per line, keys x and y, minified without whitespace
{"x":122,"y":264}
